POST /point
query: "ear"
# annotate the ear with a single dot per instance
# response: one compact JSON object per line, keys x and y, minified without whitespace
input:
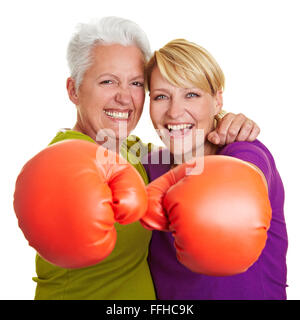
{"x":71,"y":88}
{"x":218,"y":101}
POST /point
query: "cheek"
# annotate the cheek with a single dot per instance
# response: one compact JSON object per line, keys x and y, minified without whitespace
{"x":102,"y":97}
{"x":90,"y":97}
{"x":139,"y":99}
{"x":154,"y":114}
{"x":203,"y":112}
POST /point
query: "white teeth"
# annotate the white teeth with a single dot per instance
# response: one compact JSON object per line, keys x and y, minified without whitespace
{"x":117,"y":115}
{"x":180,"y":126}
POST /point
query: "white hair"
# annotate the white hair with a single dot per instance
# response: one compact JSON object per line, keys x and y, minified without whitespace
{"x":107,"y":30}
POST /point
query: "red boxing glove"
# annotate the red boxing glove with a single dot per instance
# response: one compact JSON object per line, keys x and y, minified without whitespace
{"x":68,"y":197}
{"x":219,"y":218}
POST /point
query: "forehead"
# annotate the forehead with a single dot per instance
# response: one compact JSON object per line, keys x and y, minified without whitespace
{"x":158,"y":81}
{"x":116,"y":56}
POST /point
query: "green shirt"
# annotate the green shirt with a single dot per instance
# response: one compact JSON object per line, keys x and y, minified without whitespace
{"x":124,"y":274}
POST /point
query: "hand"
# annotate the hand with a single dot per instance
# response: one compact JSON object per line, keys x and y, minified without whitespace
{"x":219,"y":218}
{"x":234,"y":127}
{"x":68,"y":198}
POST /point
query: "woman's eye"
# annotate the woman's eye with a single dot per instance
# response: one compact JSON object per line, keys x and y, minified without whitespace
{"x":160,"y":97}
{"x":192,"y":94}
{"x":138,"y":83}
{"x":106,"y":82}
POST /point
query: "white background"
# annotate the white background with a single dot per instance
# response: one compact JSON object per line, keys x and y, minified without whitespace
{"x":255,"y":42}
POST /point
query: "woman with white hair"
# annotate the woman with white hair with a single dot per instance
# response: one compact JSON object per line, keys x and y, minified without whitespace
{"x":107,"y":60}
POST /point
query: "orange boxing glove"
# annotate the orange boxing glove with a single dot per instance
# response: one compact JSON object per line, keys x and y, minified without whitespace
{"x":68,"y":197}
{"x":219,"y":218}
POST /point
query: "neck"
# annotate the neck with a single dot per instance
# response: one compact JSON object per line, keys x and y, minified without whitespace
{"x":209,"y":149}
{"x":111,"y":143}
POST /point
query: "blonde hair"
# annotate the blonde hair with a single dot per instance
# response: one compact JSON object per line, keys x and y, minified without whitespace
{"x":186,"y":64}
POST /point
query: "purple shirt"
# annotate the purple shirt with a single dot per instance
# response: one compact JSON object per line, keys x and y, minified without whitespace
{"x":264,"y":280}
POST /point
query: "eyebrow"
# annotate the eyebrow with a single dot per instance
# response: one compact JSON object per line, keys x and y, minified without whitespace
{"x":184,"y":89}
{"x":140,"y":76}
{"x":159,"y":89}
{"x":107,"y":74}
{"x":193,"y":88}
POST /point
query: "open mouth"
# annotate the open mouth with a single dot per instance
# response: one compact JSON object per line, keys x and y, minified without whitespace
{"x":118,"y":115}
{"x":178,"y":130}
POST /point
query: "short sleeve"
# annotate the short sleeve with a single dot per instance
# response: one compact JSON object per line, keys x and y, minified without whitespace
{"x":253,"y":152}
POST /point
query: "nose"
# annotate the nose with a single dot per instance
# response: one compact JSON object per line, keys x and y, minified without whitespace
{"x":175,"y":110}
{"x":123,"y":96}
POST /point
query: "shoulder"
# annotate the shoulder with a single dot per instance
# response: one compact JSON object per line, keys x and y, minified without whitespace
{"x":158,"y":155}
{"x":247,"y":149}
{"x":135,"y":145}
{"x":157,"y":162}
{"x":254,"y":152}
{"x":65,"y":134}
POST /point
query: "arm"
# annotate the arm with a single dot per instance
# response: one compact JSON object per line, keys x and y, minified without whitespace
{"x":68,"y":198}
{"x":219,"y":218}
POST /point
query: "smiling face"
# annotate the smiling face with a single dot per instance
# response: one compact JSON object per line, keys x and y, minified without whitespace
{"x":179,"y":112}
{"x":112,"y":93}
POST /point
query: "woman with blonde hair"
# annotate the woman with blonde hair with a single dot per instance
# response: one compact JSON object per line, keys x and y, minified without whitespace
{"x":186,"y":86}
{"x":106,"y":85}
